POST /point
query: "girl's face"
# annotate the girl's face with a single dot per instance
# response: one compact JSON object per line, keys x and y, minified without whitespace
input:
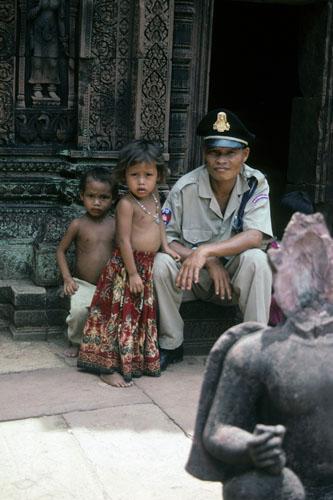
{"x":141,"y":179}
{"x":97,"y":198}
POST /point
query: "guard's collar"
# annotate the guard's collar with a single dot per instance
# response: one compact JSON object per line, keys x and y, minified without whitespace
{"x":205,"y":188}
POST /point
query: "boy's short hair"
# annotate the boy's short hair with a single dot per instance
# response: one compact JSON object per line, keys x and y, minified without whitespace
{"x":140,"y":151}
{"x":100,"y":174}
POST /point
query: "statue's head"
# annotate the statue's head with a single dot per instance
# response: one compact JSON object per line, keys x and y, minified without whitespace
{"x":303,"y":264}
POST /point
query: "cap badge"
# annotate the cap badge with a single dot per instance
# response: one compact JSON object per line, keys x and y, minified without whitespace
{"x":221,"y":124}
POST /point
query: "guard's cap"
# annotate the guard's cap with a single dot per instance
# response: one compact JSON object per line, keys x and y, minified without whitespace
{"x":221,"y":128}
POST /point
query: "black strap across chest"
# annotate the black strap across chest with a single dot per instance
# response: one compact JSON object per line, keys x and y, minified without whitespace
{"x":237,"y":226}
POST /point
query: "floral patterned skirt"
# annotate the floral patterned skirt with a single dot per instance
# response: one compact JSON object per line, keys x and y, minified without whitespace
{"x":120,"y":334}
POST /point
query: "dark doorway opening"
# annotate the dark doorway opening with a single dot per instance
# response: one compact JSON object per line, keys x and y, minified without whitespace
{"x":254,"y":72}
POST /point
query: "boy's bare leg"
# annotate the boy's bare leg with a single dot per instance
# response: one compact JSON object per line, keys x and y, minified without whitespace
{"x":72,"y":351}
{"x":116,"y":380}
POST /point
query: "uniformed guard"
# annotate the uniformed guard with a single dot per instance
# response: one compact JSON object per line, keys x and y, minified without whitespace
{"x":218,"y":220}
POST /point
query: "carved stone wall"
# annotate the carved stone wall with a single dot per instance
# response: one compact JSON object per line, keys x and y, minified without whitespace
{"x":125,"y":64}
{"x":78,"y":80}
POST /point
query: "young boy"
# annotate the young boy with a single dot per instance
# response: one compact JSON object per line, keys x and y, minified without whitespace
{"x":92,"y":235}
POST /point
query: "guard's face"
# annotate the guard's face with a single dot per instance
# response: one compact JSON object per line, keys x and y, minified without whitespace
{"x":224,"y":164}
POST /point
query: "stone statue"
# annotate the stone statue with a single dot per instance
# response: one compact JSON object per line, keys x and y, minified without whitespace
{"x":264,"y":423}
{"x":47,"y":36}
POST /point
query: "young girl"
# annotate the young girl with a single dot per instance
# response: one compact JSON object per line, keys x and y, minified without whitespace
{"x":120,"y":335}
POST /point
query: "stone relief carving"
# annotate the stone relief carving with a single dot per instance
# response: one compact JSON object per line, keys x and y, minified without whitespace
{"x":7,"y":44}
{"x":128,"y":72}
{"x":155,"y":70}
{"x":110,"y":96}
{"x":45,"y":112}
{"x":45,"y":127}
{"x":23,"y":221}
{"x":16,"y":260}
{"x":122,"y":62}
{"x":47,"y":35}
{"x":21,"y":165}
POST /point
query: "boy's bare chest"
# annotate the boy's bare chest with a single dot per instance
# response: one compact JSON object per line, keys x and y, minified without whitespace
{"x":95,"y":235}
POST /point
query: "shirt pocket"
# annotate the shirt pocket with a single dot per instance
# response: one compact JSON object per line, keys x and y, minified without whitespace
{"x":197,"y":236}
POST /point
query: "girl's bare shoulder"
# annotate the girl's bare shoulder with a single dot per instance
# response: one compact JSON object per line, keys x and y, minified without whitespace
{"x":125,"y":203}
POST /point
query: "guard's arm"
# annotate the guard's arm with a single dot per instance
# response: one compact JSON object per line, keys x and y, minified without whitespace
{"x":193,"y":262}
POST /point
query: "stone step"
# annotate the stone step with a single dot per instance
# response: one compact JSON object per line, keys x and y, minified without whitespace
{"x":204,"y":322}
{"x":34,"y":312}
{"x":30,"y":311}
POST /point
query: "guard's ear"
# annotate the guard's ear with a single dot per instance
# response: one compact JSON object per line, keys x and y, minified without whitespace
{"x":246,"y":153}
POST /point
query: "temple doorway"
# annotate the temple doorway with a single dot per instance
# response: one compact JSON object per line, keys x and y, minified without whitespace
{"x":254,"y":72}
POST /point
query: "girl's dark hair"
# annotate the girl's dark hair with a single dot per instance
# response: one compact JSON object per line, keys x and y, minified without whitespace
{"x":100,"y":174}
{"x":140,"y":151}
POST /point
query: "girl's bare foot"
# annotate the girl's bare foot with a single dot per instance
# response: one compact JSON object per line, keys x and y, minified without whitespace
{"x":116,"y":380}
{"x":72,"y":352}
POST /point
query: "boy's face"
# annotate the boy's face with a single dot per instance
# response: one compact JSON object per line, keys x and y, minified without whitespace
{"x":141,"y":179}
{"x":97,"y":198}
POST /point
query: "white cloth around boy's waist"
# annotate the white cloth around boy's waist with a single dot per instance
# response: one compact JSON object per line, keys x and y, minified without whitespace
{"x":82,"y":282}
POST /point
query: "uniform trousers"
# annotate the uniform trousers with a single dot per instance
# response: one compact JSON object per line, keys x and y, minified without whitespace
{"x":78,"y":313}
{"x":251,"y":280}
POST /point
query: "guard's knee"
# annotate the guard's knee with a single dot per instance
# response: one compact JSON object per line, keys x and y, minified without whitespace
{"x":256,"y":259}
{"x":164,"y":267}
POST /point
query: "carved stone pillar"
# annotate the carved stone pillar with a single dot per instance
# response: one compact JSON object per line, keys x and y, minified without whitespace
{"x":105,"y":75}
{"x":7,"y":69}
{"x":311,"y":146}
{"x":154,"y":51}
{"x":190,"y":79}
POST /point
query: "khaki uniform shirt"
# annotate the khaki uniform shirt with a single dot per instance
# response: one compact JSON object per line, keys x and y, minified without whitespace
{"x":196,"y":217}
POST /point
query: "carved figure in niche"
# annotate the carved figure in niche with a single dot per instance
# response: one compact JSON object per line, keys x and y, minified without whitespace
{"x":47,"y":36}
{"x":264,"y":423}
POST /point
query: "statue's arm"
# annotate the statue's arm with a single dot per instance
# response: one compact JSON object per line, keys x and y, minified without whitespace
{"x":232,"y":434}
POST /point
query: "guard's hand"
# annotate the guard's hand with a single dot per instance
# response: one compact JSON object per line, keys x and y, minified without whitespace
{"x":135,"y":284}
{"x":70,"y":287}
{"x":190,"y":269}
{"x":220,"y":278}
{"x":265,"y":449}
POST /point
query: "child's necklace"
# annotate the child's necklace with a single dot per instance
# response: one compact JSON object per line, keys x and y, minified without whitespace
{"x":156,"y":216}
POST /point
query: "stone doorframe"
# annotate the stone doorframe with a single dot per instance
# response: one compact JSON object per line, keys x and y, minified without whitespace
{"x":311,"y":149}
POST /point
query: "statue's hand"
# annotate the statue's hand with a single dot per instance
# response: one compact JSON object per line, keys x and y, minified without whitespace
{"x":265,"y":448}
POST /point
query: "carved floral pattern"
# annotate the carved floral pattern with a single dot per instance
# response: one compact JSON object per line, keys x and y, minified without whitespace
{"x":45,"y":127}
{"x":103,"y":74}
{"x":19,"y":165}
{"x":155,"y":70}
{"x":7,"y":48}
{"x":7,"y":11}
